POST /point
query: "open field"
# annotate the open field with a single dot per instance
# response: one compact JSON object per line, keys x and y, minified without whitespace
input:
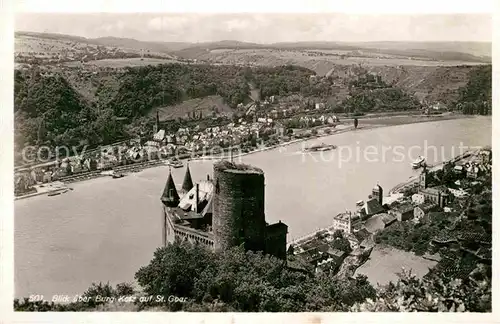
{"x":55,"y":49}
{"x":321,"y":61}
{"x":385,"y":262}
{"x":121,"y":63}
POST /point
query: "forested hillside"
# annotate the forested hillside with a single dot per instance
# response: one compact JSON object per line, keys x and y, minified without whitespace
{"x":475,"y":96}
{"x":370,"y":93}
{"x":49,"y":111}
{"x":52,"y":110}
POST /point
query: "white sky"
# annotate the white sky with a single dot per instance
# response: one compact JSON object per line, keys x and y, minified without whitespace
{"x":264,"y":28}
{"x":219,"y":6}
{"x":202,"y":20}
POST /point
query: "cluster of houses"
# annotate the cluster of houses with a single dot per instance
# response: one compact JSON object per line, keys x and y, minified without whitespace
{"x":183,"y":141}
{"x":195,"y":139}
{"x":379,"y":212}
{"x":104,"y":158}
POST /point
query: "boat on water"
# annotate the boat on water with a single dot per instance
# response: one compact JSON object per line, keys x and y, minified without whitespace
{"x":174,"y":163}
{"x":54,"y":193}
{"x":320,"y":147}
{"x":118,"y":175}
{"x":419,"y":162}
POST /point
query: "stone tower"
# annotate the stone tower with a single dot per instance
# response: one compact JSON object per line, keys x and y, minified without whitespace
{"x":238,"y":215}
{"x":378,"y":193}
{"x":423,"y":178}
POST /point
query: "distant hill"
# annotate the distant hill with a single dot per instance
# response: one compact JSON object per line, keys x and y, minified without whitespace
{"x":162,"y":47}
{"x":44,"y":48}
{"x":474,"y":48}
{"x":55,"y":36}
{"x":479,"y":52}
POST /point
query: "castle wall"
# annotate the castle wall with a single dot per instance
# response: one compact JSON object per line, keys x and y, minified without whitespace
{"x":174,"y":231}
{"x":238,"y":215}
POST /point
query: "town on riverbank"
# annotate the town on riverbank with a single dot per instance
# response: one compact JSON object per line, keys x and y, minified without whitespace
{"x":418,"y":226}
{"x":163,"y":148}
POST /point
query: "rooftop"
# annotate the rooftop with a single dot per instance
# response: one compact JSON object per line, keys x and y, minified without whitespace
{"x":205,"y":192}
{"x":427,"y":206}
{"x":185,"y":215}
{"x":372,"y":207}
{"x":435,"y":190}
{"x":374,"y":224}
{"x":343,"y":216}
{"x":170,"y":194}
{"x":187,"y":184}
{"x":387,"y":218}
{"x":276,"y":227}
{"x":403,"y":208}
{"x":335,"y":252}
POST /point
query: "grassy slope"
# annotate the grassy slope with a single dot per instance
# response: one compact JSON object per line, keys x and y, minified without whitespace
{"x":203,"y":105}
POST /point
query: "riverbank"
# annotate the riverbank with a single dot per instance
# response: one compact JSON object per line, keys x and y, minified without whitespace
{"x":371,"y":122}
{"x":66,"y":242}
{"x":45,"y":189}
{"x":409,"y":119}
{"x":346,"y":126}
{"x":412,"y":181}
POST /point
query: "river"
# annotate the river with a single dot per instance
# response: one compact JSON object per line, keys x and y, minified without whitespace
{"x":106,"y":229}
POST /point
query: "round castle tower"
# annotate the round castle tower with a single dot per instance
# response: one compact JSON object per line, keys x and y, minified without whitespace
{"x":238,"y":215}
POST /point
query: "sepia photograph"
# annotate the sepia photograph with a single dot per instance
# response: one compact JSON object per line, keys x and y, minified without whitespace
{"x":252,"y":162}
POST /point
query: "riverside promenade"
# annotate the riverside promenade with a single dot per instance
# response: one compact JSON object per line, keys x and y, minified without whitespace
{"x":413,"y":181}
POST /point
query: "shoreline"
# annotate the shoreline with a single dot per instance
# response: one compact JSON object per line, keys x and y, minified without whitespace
{"x":424,"y":119}
{"x":138,"y":167}
{"x":53,"y":187}
{"x":411,"y":181}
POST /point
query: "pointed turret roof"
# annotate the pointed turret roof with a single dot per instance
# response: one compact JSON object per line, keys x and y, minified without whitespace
{"x":170,"y":197}
{"x":187,"y":184}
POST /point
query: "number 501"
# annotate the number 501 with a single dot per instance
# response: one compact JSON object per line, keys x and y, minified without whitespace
{"x":35,"y":298}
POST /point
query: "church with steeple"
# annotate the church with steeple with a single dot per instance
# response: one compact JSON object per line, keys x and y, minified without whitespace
{"x":438,"y":195}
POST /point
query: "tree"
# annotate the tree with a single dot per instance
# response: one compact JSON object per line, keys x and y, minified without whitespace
{"x":338,"y":234}
{"x":342,"y":244}
{"x":439,"y":294}
{"x":173,"y":269}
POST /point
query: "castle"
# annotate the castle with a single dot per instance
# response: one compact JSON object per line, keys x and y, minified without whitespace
{"x":222,"y":212}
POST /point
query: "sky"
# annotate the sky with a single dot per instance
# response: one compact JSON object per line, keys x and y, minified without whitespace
{"x":297,"y":20}
{"x":263,"y":28}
